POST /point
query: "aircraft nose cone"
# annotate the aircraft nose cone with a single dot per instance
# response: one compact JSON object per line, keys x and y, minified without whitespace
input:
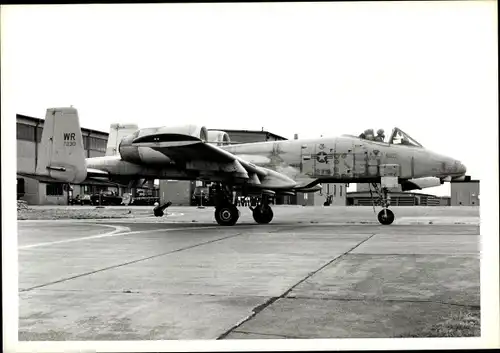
{"x":462,"y":169}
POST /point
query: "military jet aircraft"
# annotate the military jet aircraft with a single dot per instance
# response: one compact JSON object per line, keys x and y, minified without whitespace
{"x":189,"y":152}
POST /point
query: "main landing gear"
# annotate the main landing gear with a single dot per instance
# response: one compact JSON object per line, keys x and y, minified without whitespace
{"x":262,"y":213}
{"x":227,"y":214}
{"x":386,"y":216}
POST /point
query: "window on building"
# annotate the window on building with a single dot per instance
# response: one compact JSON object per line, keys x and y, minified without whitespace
{"x":25,"y":132}
{"x":97,"y":144}
{"x":334,"y":190}
{"x":340,"y":190}
{"x":94,"y":143}
{"x":54,"y":189}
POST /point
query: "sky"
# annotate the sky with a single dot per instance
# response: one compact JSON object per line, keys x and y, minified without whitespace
{"x":429,"y":68}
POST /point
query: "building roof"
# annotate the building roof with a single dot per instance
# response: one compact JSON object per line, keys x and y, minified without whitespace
{"x":38,"y":120}
{"x":251,"y":132}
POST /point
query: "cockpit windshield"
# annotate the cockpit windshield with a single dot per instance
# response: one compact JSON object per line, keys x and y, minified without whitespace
{"x":399,"y":137}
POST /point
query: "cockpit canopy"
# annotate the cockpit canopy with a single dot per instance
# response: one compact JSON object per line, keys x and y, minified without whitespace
{"x":399,"y":137}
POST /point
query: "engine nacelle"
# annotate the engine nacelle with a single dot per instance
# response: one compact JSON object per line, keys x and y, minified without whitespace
{"x":140,"y":154}
{"x":218,"y":138}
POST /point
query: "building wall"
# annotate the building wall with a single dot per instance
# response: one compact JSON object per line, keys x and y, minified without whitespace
{"x":59,"y":198}
{"x":176,"y":191}
{"x":338,"y":191}
{"x":465,"y":193}
{"x":444,"y":201}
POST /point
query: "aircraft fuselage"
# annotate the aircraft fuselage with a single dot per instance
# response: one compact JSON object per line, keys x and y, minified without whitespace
{"x":337,"y":159}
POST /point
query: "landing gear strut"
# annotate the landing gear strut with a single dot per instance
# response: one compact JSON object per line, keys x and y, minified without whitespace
{"x":262,"y":213}
{"x":386,"y":216}
{"x":226,"y":213}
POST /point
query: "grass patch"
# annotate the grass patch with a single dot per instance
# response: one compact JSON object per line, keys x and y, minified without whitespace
{"x":465,"y":323}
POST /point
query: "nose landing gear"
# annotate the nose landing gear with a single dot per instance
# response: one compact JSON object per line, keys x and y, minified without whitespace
{"x":386,"y":216}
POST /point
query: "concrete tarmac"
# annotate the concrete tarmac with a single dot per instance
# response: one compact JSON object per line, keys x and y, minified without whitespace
{"x":314,"y":272}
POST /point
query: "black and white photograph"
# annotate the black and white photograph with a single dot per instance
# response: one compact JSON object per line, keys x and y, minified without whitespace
{"x":250,"y":176}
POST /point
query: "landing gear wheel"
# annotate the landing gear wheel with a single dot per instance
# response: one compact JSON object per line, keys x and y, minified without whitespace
{"x":262,"y":214}
{"x":386,"y":219}
{"x":227,"y":215}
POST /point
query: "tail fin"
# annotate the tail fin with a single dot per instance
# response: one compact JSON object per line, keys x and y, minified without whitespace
{"x":61,"y":154}
{"x":116,"y":133}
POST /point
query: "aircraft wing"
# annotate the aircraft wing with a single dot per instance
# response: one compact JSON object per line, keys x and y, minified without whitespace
{"x":196,"y":154}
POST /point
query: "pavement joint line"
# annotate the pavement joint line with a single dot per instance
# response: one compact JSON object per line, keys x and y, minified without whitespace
{"x":269,"y":334}
{"x":271,"y":300}
{"x":128,"y":263}
{"x":139,"y":260}
{"x":470,"y":306}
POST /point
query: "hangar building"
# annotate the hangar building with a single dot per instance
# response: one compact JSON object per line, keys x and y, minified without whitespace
{"x":465,"y":193}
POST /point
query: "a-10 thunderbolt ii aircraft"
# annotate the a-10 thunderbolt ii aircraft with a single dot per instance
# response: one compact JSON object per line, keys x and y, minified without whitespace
{"x":189,"y":152}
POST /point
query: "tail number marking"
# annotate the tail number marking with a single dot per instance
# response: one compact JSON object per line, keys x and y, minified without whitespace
{"x":69,"y":139}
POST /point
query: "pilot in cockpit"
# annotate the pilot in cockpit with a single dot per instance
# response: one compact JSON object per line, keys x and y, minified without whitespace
{"x":369,"y":135}
{"x":380,"y":135}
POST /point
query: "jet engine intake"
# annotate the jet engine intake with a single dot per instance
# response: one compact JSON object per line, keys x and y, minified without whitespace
{"x":218,"y":138}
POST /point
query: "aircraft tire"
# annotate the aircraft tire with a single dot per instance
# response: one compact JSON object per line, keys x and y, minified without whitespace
{"x":227,"y":215}
{"x":386,"y":220}
{"x":262,"y":215}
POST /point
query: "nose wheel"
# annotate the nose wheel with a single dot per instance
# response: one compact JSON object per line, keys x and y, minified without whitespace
{"x":386,"y":217}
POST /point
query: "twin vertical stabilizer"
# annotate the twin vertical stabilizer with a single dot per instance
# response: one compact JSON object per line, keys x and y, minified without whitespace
{"x":61,"y":155}
{"x":116,"y":133}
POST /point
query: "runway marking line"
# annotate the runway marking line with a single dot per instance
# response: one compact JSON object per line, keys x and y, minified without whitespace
{"x":110,"y":234}
{"x":119,"y":230}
